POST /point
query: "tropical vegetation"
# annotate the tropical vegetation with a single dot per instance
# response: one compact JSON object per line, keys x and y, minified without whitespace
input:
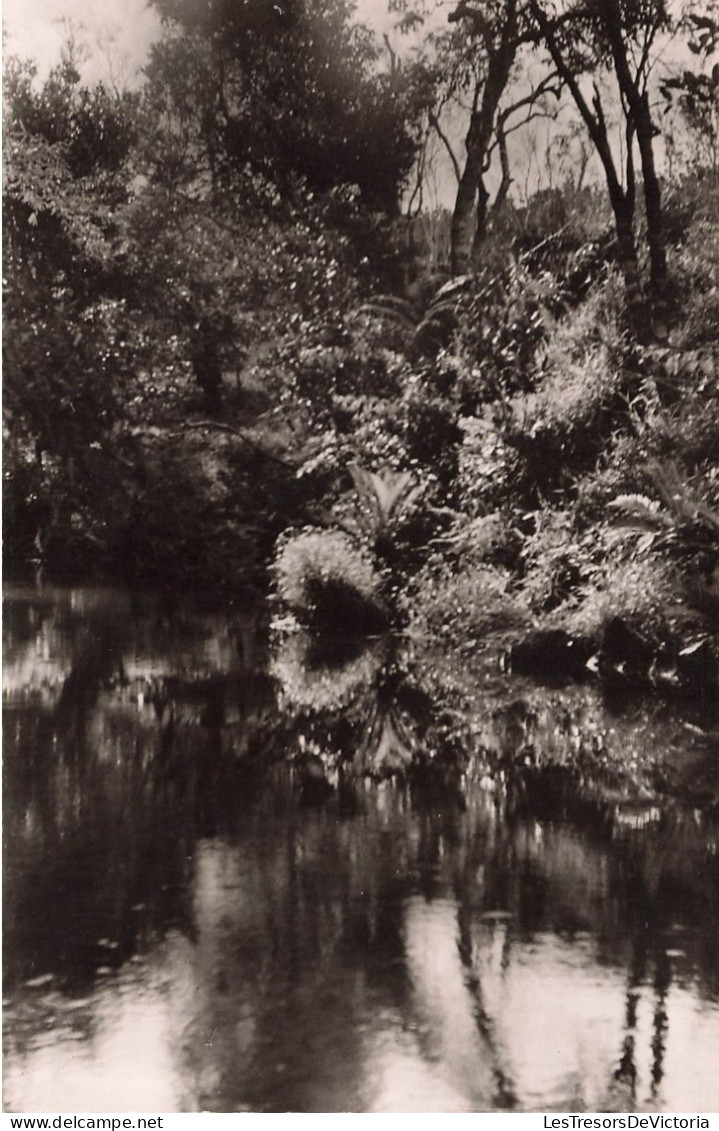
{"x":243,"y":351}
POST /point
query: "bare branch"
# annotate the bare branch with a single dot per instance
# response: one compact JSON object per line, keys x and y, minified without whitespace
{"x":506,"y":182}
{"x":393,"y":62}
{"x":549,"y":114}
{"x":434,"y":122}
{"x":551,"y":84}
{"x":219,"y":426}
{"x":544,"y":88}
{"x":642,"y":67}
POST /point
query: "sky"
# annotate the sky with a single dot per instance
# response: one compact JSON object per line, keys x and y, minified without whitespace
{"x":118,"y":34}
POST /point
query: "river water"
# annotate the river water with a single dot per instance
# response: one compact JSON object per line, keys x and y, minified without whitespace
{"x":244,"y":877}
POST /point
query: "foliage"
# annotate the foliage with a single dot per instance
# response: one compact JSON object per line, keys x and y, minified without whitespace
{"x":696,"y":261}
{"x":567,"y":421}
{"x":681,"y":522}
{"x":219,"y":331}
{"x":443,"y":605}
{"x":92,"y":128}
{"x":69,"y":350}
{"x":418,"y":331}
{"x":382,"y":498}
{"x":697,"y":90}
{"x":286,"y":95}
{"x":643,"y":593}
{"x":556,"y":559}
{"x":129,"y":304}
{"x":311,"y":681}
{"x":323,"y":576}
{"x":502,"y":325}
{"x":490,"y":539}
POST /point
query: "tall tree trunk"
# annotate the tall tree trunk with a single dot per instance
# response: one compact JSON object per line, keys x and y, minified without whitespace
{"x":623,"y":210}
{"x":463,"y":216}
{"x":480,"y":227}
{"x":656,"y":239}
{"x":622,"y":199}
{"x":479,"y":139}
{"x":639,"y":112}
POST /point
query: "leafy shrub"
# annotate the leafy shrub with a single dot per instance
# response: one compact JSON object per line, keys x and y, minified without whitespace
{"x":681,"y":522}
{"x":555,"y":560}
{"x":492,"y":539}
{"x":681,"y":417}
{"x":643,"y":592}
{"x":472,"y":603}
{"x":182,"y":523}
{"x":316,"y":370}
{"x":432,"y":434}
{"x":419,"y":327}
{"x":501,"y":327}
{"x":326,"y":579}
{"x":561,"y":429}
{"x":488,"y":467}
{"x":572,"y":398}
{"x":596,"y":321}
{"x":695,"y":264}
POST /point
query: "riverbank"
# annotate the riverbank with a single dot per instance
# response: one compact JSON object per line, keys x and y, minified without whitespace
{"x":501,"y":458}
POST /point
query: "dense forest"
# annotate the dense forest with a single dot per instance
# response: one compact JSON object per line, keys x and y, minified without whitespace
{"x":242,"y":352}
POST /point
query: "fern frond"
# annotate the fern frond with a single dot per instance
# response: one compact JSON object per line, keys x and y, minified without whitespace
{"x":444,"y":312}
{"x":639,"y":513}
{"x":389,"y":308}
{"x":635,"y":504}
{"x":452,"y":287}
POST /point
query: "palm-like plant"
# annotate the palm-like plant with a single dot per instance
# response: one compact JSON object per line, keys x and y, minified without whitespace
{"x":384,"y":498}
{"x":423,"y":331}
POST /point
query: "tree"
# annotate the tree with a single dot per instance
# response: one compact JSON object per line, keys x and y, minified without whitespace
{"x":67,"y":364}
{"x":481,"y":69}
{"x":139,"y":277}
{"x":494,"y":36}
{"x":588,"y":38}
{"x":66,"y":148}
{"x":697,"y":90}
{"x":289,"y":92}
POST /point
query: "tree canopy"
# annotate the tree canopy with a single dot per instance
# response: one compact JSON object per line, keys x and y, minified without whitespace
{"x":289,"y":93}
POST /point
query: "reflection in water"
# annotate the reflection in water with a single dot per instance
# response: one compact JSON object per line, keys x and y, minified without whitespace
{"x":110,"y":1052}
{"x":239,"y":887}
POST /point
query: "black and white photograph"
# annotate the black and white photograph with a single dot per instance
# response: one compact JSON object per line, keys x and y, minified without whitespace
{"x":361,"y":559}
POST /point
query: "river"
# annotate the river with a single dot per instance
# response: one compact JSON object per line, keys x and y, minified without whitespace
{"x":243,"y":876}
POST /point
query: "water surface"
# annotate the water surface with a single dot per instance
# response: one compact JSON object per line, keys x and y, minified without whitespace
{"x":248,"y":879}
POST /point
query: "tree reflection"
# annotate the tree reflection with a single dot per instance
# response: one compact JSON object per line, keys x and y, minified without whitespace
{"x":334,"y":890}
